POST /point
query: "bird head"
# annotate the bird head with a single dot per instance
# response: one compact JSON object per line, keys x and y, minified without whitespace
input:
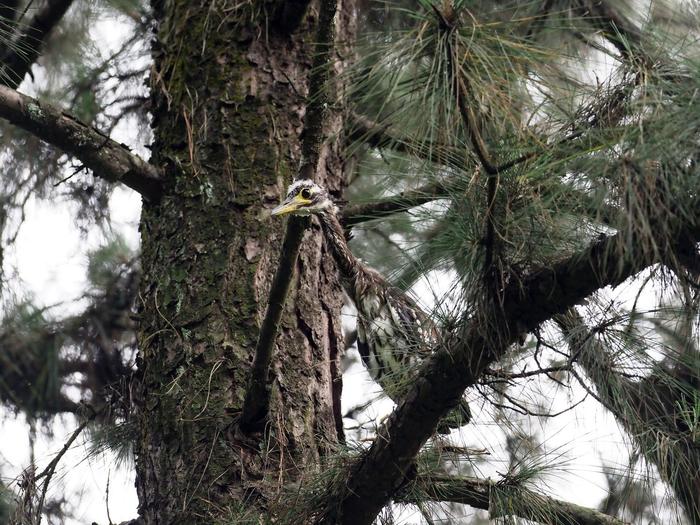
{"x":304,"y":197}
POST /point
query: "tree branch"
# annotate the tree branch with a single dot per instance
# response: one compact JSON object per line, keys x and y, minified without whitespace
{"x":443,"y":377}
{"x":106,"y":158}
{"x":27,"y":47}
{"x":356,"y":213}
{"x":619,"y":32}
{"x":257,"y":399}
{"x":502,"y":500}
{"x":50,"y":469}
{"x":647,"y":409}
{"x":376,"y":135}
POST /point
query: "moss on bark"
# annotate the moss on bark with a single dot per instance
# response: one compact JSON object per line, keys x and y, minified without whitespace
{"x":227,"y":113}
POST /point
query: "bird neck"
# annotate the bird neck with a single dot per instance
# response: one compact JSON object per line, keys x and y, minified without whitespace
{"x":335,"y":236}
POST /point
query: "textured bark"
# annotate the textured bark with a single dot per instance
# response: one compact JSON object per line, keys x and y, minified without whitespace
{"x":228,"y":110}
{"x":255,"y":411}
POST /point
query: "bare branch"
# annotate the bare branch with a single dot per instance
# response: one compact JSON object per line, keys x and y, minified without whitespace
{"x":487,"y":494}
{"x":502,"y":376}
{"x":27,"y":47}
{"x":106,"y":158}
{"x":257,"y":399}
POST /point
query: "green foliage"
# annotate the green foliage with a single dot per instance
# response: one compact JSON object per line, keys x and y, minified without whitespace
{"x":108,"y":262}
{"x":30,"y":361}
{"x":594,"y":131}
{"x":101,"y":85}
{"x":116,"y":437}
{"x":615,"y":160}
{"x":6,"y":504}
{"x":597,"y":129}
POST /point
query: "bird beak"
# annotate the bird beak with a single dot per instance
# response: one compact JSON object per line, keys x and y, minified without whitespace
{"x":290,"y":205}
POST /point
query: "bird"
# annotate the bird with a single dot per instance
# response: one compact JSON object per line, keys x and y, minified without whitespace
{"x":393,"y":333}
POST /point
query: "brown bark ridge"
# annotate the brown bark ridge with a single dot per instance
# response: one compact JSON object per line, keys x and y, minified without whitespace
{"x":228,"y":108}
{"x":255,"y":411}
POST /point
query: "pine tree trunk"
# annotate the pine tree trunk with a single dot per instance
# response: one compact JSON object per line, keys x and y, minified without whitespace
{"x":228,"y":101}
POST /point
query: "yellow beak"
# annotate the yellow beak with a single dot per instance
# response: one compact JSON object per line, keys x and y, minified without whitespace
{"x":290,"y":205}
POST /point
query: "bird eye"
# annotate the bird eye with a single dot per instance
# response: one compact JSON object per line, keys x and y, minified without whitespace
{"x":306,"y":193}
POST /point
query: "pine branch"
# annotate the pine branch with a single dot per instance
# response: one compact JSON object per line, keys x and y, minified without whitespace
{"x":257,"y":400}
{"x":106,"y":158}
{"x":34,"y":365}
{"x":27,"y":47}
{"x":356,"y":213}
{"x":8,"y":11}
{"x":619,"y":32}
{"x":527,"y":302}
{"x":648,"y":410}
{"x":50,"y":469}
{"x":503,"y":500}
{"x":376,"y":135}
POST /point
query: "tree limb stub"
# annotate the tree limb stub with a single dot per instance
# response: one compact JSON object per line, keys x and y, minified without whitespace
{"x":105,"y":157}
{"x":501,"y":500}
{"x":257,"y":400}
{"x":527,"y":302}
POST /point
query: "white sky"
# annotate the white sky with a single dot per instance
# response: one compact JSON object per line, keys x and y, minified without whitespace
{"x":50,"y":256}
{"x":50,"y":260}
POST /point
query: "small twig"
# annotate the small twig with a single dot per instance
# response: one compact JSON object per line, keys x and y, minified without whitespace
{"x":501,"y":376}
{"x":50,"y":469}
{"x":75,"y":172}
{"x":109,"y":518}
{"x":257,"y":400}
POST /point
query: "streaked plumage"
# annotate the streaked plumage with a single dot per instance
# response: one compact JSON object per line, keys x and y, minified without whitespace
{"x":392,"y":331}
